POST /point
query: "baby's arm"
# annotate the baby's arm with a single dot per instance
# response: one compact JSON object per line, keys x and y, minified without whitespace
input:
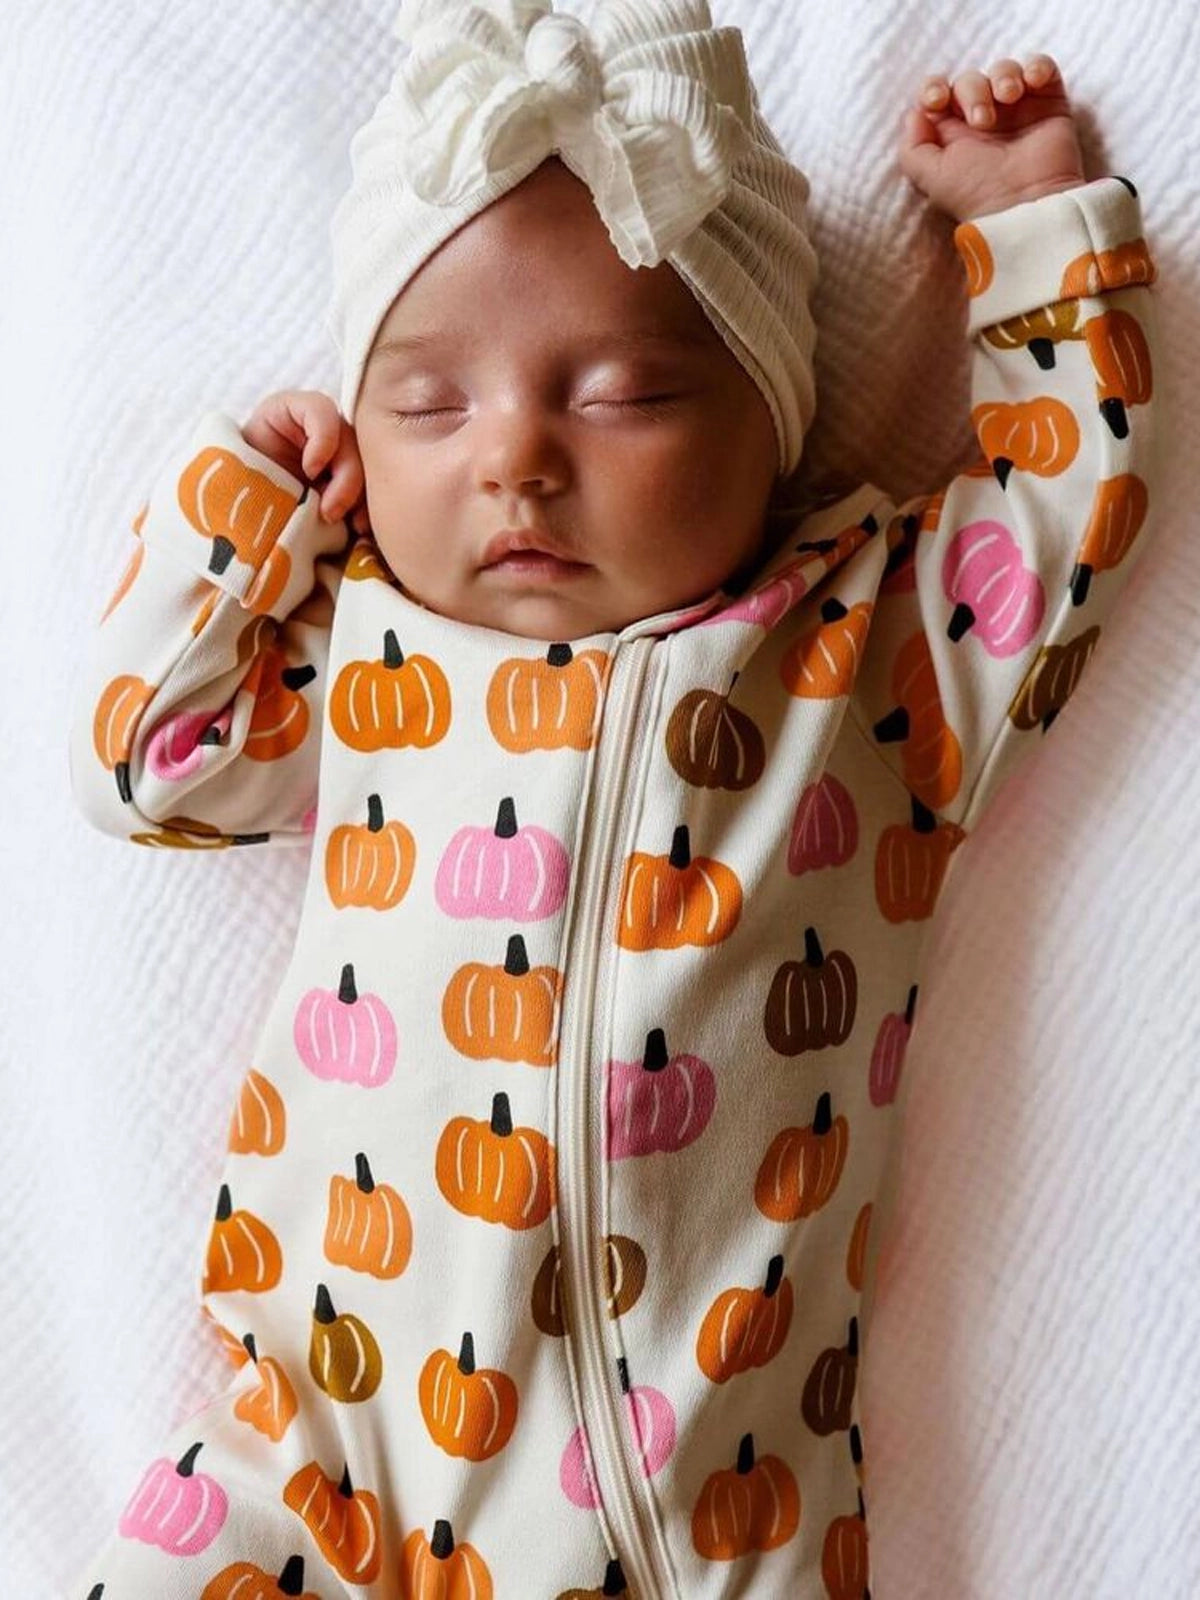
{"x":198,"y":714}
{"x":998,"y":586}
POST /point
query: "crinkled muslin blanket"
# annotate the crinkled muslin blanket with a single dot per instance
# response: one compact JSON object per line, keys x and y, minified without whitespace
{"x":1032,"y":1391}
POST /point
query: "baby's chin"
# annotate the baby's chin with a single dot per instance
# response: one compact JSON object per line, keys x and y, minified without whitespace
{"x":544,"y":615}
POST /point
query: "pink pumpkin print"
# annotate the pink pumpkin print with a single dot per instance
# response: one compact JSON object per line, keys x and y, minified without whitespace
{"x":175,"y":1507}
{"x":517,"y":874}
{"x":652,"y":1423}
{"x":576,"y":1475}
{"x":887,"y":1054}
{"x":347,"y":1036}
{"x":996,"y":597}
{"x":824,"y":829}
{"x":308,"y":822}
{"x":657,"y":1103}
{"x":765,"y":606}
{"x":173,"y":749}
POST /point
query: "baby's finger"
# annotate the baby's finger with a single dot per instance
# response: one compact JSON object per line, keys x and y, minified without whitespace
{"x":1007,"y":80}
{"x":935,"y":94}
{"x":1042,"y":74}
{"x":973,"y":96}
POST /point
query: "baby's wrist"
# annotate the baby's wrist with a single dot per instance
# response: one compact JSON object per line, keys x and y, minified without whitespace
{"x":1033,"y":191}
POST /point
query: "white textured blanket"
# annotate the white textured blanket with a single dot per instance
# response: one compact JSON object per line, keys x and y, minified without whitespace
{"x":1032,"y":1388}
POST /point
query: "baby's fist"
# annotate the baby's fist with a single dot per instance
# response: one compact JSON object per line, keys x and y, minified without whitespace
{"x":303,"y":431}
{"x":992,"y":140}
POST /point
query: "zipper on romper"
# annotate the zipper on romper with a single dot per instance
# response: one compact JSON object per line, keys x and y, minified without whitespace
{"x":598,"y":1395}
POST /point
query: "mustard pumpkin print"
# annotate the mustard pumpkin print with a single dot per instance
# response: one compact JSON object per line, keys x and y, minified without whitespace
{"x":344,"y":1521}
{"x":469,"y":1411}
{"x":550,"y":702}
{"x":390,"y":703}
{"x":343,"y":1354}
{"x":754,"y":1505}
{"x":674,"y":900}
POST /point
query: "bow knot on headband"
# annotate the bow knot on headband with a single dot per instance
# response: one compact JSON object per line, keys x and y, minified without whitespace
{"x":651,"y":111}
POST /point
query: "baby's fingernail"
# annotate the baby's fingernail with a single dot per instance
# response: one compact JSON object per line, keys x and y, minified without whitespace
{"x":1009,"y":85}
{"x":979,"y":114}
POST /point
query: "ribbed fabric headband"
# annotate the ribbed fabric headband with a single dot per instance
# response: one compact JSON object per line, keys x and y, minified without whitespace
{"x":651,"y":107}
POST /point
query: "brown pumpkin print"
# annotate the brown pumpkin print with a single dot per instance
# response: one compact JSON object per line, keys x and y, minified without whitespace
{"x":438,"y":1569}
{"x":624,"y":1273}
{"x":745,"y":1328}
{"x":829,"y":1388}
{"x":258,"y":1126}
{"x":823,"y":663}
{"x":812,"y":1003}
{"x":343,"y":1356}
{"x":546,"y":1301}
{"x":548,"y":703}
{"x":369,"y":865}
{"x":1051,"y":681}
{"x":845,"y":1566}
{"x":673,"y":900}
{"x":469,"y":1411}
{"x":712,"y":744}
{"x":1121,"y":358}
{"x":344,"y":1521}
{"x":238,"y":508}
{"x":911,"y":864}
{"x":270,"y":1407}
{"x":244,"y":1581}
{"x":391,"y":703}
{"x":504,"y":1013}
{"x":1118,"y":512}
{"x":189,"y":833}
{"x":932,"y":755}
{"x":1039,"y":436}
{"x":495,"y":1171}
{"x":800,"y":1171}
{"x":753,"y":1506}
{"x":243,"y":1253}
{"x":367,"y":1228}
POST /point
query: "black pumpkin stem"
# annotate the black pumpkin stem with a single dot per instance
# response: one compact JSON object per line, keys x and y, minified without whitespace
{"x":559,"y":655}
{"x":745,"y":1459}
{"x":823,"y":1120}
{"x":442,"y":1543}
{"x":681,"y":850}
{"x":501,"y":1123}
{"x":224,"y":1204}
{"x":466,"y":1354}
{"x":506,"y":819}
{"x":614,"y":1579}
{"x":251,"y":1347}
{"x":362,"y":1174}
{"x":655,"y":1057}
{"x":516,"y":960}
{"x":187,"y":1461}
{"x":813,"y":953}
{"x":323,"y":1307}
{"x":623,"y":1374}
{"x":774,"y":1276}
{"x":374,"y":813}
{"x":347,"y":993}
{"x":392,"y":655}
{"x":291,"y":1579}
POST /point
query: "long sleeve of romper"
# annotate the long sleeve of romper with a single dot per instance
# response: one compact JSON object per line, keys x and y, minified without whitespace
{"x":197,"y":720}
{"x":997,"y":588}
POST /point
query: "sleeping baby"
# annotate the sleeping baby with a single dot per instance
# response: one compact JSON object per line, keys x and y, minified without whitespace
{"x":542,"y":1251}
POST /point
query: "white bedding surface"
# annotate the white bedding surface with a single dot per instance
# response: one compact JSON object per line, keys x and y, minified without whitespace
{"x":1032,"y":1382}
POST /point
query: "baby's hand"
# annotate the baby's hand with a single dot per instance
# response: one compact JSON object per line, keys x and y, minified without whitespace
{"x":993,"y":140}
{"x":303,"y":431}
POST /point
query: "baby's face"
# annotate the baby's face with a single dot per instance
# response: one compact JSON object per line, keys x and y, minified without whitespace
{"x":527,"y":379}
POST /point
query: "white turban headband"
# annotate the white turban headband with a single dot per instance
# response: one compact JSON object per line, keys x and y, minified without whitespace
{"x":652,"y":108}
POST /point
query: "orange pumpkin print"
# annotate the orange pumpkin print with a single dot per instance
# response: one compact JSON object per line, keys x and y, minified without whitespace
{"x":673,"y":900}
{"x":238,"y":508}
{"x":469,"y":1412}
{"x":495,"y":1171}
{"x":344,"y":1521}
{"x":753,"y":1506}
{"x":391,"y":703}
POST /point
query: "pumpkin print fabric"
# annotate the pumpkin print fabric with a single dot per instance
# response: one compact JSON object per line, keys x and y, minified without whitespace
{"x":542,"y":1248}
